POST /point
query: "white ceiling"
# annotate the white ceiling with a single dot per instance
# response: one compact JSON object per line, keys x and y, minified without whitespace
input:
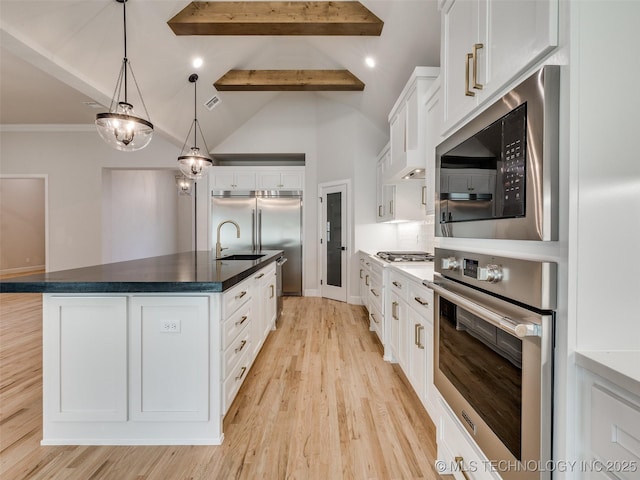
{"x":57,"y":54}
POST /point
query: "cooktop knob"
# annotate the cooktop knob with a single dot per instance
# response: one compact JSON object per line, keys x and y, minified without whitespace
{"x":450,"y":263}
{"x":490,"y":273}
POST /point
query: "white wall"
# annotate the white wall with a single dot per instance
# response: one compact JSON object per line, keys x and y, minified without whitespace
{"x":140,"y":216}
{"x":22,"y":224}
{"x":74,"y":159}
{"x":338,"y":143}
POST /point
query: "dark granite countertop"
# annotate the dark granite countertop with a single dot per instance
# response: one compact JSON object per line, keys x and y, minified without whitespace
{"x":180,"y":272}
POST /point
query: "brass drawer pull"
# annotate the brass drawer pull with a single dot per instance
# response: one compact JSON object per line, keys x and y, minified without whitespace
{"x":397,"y":284}
{"x":241,"y":294}
{"x":461,"y":468}
{"x":242,"y":371}
{"x":366,"y":280}
{"x":242,"y":344}
{"x":394,"y":310}
{"x":422,"y":302}
{"x":374,"y":292}
{"x":424,"y":195}
{"x":373,"y":316}
{"x":242,"y":320}
{"x":361,"y":273}
{"x":272,"y":291}
{"x":259,"y":276}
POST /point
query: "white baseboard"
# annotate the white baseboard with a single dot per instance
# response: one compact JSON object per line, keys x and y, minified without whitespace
{"x":311,"y":293}
{"x":355,"y":300}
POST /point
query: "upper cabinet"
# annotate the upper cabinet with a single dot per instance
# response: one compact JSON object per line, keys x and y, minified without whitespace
{"x":238,"y":179}
{"x":433,"y":108}
{"x":257,"y":178}
{"x":407,"y":126}
{"x":280,"y":180}
{"x":486,"y":43}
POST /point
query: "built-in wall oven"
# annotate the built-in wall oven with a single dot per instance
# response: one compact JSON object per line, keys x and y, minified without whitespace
{"x":497,"y":175}
{"x":493,"y":349}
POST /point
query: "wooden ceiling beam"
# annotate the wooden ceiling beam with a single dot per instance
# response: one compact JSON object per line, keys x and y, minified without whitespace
{"x":288,"y":80}
{"x":276,"y":18}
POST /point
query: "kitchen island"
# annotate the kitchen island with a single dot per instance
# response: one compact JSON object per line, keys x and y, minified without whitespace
{"x":150,"y":351}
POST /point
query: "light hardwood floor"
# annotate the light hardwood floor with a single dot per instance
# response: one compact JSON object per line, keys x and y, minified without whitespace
{"x":319,"y":403}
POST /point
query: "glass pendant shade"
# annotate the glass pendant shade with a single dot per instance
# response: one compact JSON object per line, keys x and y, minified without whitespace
{"x":194,"y":163}
{"x":121,"y":127}
{"x":184,"y":185}
{"x":123,"y":130}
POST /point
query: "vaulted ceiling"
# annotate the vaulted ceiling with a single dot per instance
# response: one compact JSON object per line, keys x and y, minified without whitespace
{"x":57,"y":55}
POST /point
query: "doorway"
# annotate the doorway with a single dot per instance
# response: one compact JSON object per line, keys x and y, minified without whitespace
{"x":23,"y":229}
{"x":334,"y":235}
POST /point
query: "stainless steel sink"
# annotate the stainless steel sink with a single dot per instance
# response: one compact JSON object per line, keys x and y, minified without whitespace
{"x":242,"y":256}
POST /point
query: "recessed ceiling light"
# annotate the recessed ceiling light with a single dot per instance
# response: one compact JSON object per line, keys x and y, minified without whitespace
{"x":197,"y":62}
{"x":370,"y":62}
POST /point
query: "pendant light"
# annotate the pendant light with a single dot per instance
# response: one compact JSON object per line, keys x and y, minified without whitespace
{"x":194,"y":163}
{"x":121,"y":128}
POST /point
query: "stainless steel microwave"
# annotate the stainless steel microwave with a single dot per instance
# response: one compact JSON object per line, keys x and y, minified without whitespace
{"x":497,"y":177}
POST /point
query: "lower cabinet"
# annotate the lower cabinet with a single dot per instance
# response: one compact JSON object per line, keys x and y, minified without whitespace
{"x":149,"y":369}
{"x":169,"y":358}
{"x":609,"y":426}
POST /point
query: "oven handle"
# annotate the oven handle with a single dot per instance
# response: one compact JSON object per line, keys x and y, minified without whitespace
{"x":513,"y":327}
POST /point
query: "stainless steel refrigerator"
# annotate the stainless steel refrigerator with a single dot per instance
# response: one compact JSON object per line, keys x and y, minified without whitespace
{"x":268,"y":220}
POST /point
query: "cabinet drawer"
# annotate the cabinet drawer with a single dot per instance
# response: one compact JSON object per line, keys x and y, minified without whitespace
{"x":421,"y":299}
{"x":236,"y":349}
{"x":399,"y":285}
{"x":235,"y":378}
{"x":615,"y":431}
{"x":376,"y":294}
{"x":377,"y":321}
{"x":236,"y":322}
{"x":458,"y":451}
{"x":234,"y":298}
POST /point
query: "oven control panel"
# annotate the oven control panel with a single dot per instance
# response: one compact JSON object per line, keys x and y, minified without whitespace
{"x":488,"y":273}
{"x":531,"y":282}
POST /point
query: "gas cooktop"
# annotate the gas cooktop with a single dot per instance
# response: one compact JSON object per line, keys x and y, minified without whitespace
{"x":405,"y":256}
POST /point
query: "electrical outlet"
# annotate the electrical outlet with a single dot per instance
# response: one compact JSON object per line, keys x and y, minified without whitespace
{"x":171,"y":326}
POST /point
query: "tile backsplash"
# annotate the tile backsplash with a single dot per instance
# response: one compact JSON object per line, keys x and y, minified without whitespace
{"x":416,"y":235}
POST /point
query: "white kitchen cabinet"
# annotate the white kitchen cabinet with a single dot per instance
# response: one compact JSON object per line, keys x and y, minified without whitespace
{"x":609,"y":419}
{"x":486,"y":44}
{"x":269,"y":302}
{"x":85,"y":348}
{"x":376,"y":300}
{"x":169,"y":358}
{"x":433,"y":128}
{"x":365,"y":275}
{"x":280,"y":180}
{"x":407,"y":126}
{"x":384,"y":193}
{"x":224,"y":178}
{"x":420,"y":323}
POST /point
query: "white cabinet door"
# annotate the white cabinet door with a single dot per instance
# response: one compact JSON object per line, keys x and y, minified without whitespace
{"x":233,"y":179}
{"x":245,"y":180}
{"x":459,"y":35}
{"x":398,"y":141}
{"x":269,"y":304}
{"x":85,"y":348}
{"x":433,"y":127}
{"x":486,"y":44}
{"x":169,"y":358}
{"x":278,"y":180}
{"x":518,"y":34}
{"x":223,"y":181}
{"x":417,"y":353}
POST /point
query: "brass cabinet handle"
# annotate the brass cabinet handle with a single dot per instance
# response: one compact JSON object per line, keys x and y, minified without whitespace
{"x":422,"y":302}
{"x":397,"y":284}
{"x":468,"y":92}
{"x":374,"y":292}
{"x":272,"y":291}
{"x":394,"y":310}
{"x":366,"y":280}
{"x":415,"y":334}
{"x":391,"y":207}
{"x":259,"y":276}
{"x":419,"y":337}
{"x":242,"y":320}
{"x":381,"y":210}
{"x":241,"y":294}
{"x":460,"y":463}
{"x":361,"y":273}
{"x":374,"y":318}
{"x":424,"y":195}
{"x":242,"y":344}
{"x":242,"y":371}
{"x":476,"y":47}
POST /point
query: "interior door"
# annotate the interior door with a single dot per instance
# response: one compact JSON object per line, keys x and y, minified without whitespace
{"x":334,"y":242}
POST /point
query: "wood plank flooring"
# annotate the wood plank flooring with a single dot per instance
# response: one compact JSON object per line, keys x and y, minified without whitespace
{"x":319,"y":403}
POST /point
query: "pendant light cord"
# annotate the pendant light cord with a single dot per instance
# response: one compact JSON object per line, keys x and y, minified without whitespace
{"x":195,"y":112}
{"x":126,"y":60}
